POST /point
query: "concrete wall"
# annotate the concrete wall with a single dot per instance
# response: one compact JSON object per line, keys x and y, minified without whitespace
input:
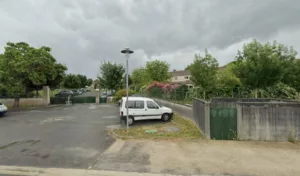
{"x":24,"y":102}
{"x":183,"y":110}
{"x":268,"y":121}
{"x":231,"y":102}
{"x":45,"y":100}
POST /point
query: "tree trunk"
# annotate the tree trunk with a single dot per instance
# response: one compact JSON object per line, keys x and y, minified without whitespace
{"x":255,"y":93}
{"x":37,"y":93}
{"x":204,"y":95}
{"x":16,"y":102}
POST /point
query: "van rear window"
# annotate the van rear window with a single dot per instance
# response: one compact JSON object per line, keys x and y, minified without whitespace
{"x":130,"y":104}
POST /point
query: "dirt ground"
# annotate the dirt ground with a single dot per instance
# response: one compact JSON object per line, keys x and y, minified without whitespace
{"x":204,"y":157}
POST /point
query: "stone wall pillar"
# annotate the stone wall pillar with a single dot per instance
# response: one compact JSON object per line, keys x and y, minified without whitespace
{"x":46,"y":95}
{"x":98,"y":96}
{"x":207,"y":120}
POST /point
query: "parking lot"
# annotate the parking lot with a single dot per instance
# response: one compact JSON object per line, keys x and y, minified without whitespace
{"x":62,"y":136}
{"x":76,"y":137}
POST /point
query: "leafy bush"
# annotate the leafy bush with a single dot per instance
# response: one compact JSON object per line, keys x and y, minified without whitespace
{"x":122,"y":93}
{"x":279,"y":90}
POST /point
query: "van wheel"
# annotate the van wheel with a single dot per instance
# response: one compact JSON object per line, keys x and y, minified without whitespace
{"x":130,"y":120}
{"x":165,"y":117}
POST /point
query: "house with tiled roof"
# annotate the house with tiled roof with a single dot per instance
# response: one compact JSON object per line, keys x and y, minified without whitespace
{"x":181,"y":77}
{"x":184,"y":76}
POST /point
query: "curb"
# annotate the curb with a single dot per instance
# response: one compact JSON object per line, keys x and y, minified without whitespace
{"x":119,"y":136}
{"x":29,"y":171}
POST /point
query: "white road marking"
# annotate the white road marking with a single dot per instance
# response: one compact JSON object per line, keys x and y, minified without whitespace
{"x":55,"y":119}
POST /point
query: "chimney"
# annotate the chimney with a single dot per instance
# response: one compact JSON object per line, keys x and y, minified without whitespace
{"x":174,"y":70}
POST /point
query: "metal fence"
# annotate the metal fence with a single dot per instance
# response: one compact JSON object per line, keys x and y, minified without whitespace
{"x":201,"y":116}
{"x":175,"y":96}
{"x":199,"y":113}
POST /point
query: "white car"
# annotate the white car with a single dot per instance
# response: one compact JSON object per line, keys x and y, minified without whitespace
{"x":3,"y":109}
{"x":141,"y":108}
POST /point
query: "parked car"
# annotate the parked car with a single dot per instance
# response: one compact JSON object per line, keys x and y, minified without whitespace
{"x":141,"y":108}
{"x":3,"y":109}
{"x":82,"y":90}
{"x":64,"y":93}
{"x":77,"y":91}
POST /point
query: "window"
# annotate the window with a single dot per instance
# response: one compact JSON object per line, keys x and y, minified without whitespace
{"x":135,"y":105}
{"x":175,"y":77}
{"x":139,"y":105}
{"x":186,"y":77}
{"x":130,"y":104}
{"x":151,"y":105}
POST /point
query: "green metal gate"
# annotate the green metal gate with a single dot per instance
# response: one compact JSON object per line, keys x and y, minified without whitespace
{"x":223,"y":123}
{"x":75,"y":100}
{"x":84,"y":100}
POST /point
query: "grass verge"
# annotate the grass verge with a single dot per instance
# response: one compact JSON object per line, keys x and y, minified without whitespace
{"x":187,"y":129}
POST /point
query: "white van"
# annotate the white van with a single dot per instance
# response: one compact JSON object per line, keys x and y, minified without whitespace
{"x":3,"y":109}
{"x":141,"y":108}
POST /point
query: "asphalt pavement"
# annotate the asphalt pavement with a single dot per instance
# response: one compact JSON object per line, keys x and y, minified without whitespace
{"x":64,"y":136}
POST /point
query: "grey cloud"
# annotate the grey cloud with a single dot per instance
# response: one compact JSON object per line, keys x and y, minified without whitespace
{"x":84,"y":32}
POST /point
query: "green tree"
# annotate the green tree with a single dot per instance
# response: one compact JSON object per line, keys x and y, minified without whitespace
{"x":129,"y":80}
{"x":226,"y":78}
{"x":111,"y":76}
{"x":89,"y":82}
{"x":227,"y":83}
{"x":292,"y":75}
{"x":72,"y":81}
{"x":24,"y":68}
{"x":158,"y":70}
{"x":83,"y":80}
{"x":139,"y":78}
{"x":203,"y":71}
{"x":262,"y":65}
{"x":76,"y":81}
{"x":187,"y":67}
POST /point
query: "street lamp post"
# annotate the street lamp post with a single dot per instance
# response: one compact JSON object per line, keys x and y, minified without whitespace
{"x":127,"y":52}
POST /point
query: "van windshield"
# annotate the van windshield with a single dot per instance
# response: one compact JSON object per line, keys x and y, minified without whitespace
{"x":158,"y":104}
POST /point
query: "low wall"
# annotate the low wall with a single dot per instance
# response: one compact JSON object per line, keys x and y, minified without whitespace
{"x":180,"y":109}
{"x":25,"y":102}
{"x":201,"y":116}
{"x":268,"y":121}
{"x":231,"y":102}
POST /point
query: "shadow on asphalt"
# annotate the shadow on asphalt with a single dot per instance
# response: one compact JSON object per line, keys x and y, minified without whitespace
{"x":146,"y":123}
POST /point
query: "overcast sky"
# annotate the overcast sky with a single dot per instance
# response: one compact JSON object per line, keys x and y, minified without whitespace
{"x":81,"y":33}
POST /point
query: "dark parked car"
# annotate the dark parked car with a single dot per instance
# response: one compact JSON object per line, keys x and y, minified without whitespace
{"x":77,"y":92}
{"x":82,"y":90}
{"x":64,"y":93}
